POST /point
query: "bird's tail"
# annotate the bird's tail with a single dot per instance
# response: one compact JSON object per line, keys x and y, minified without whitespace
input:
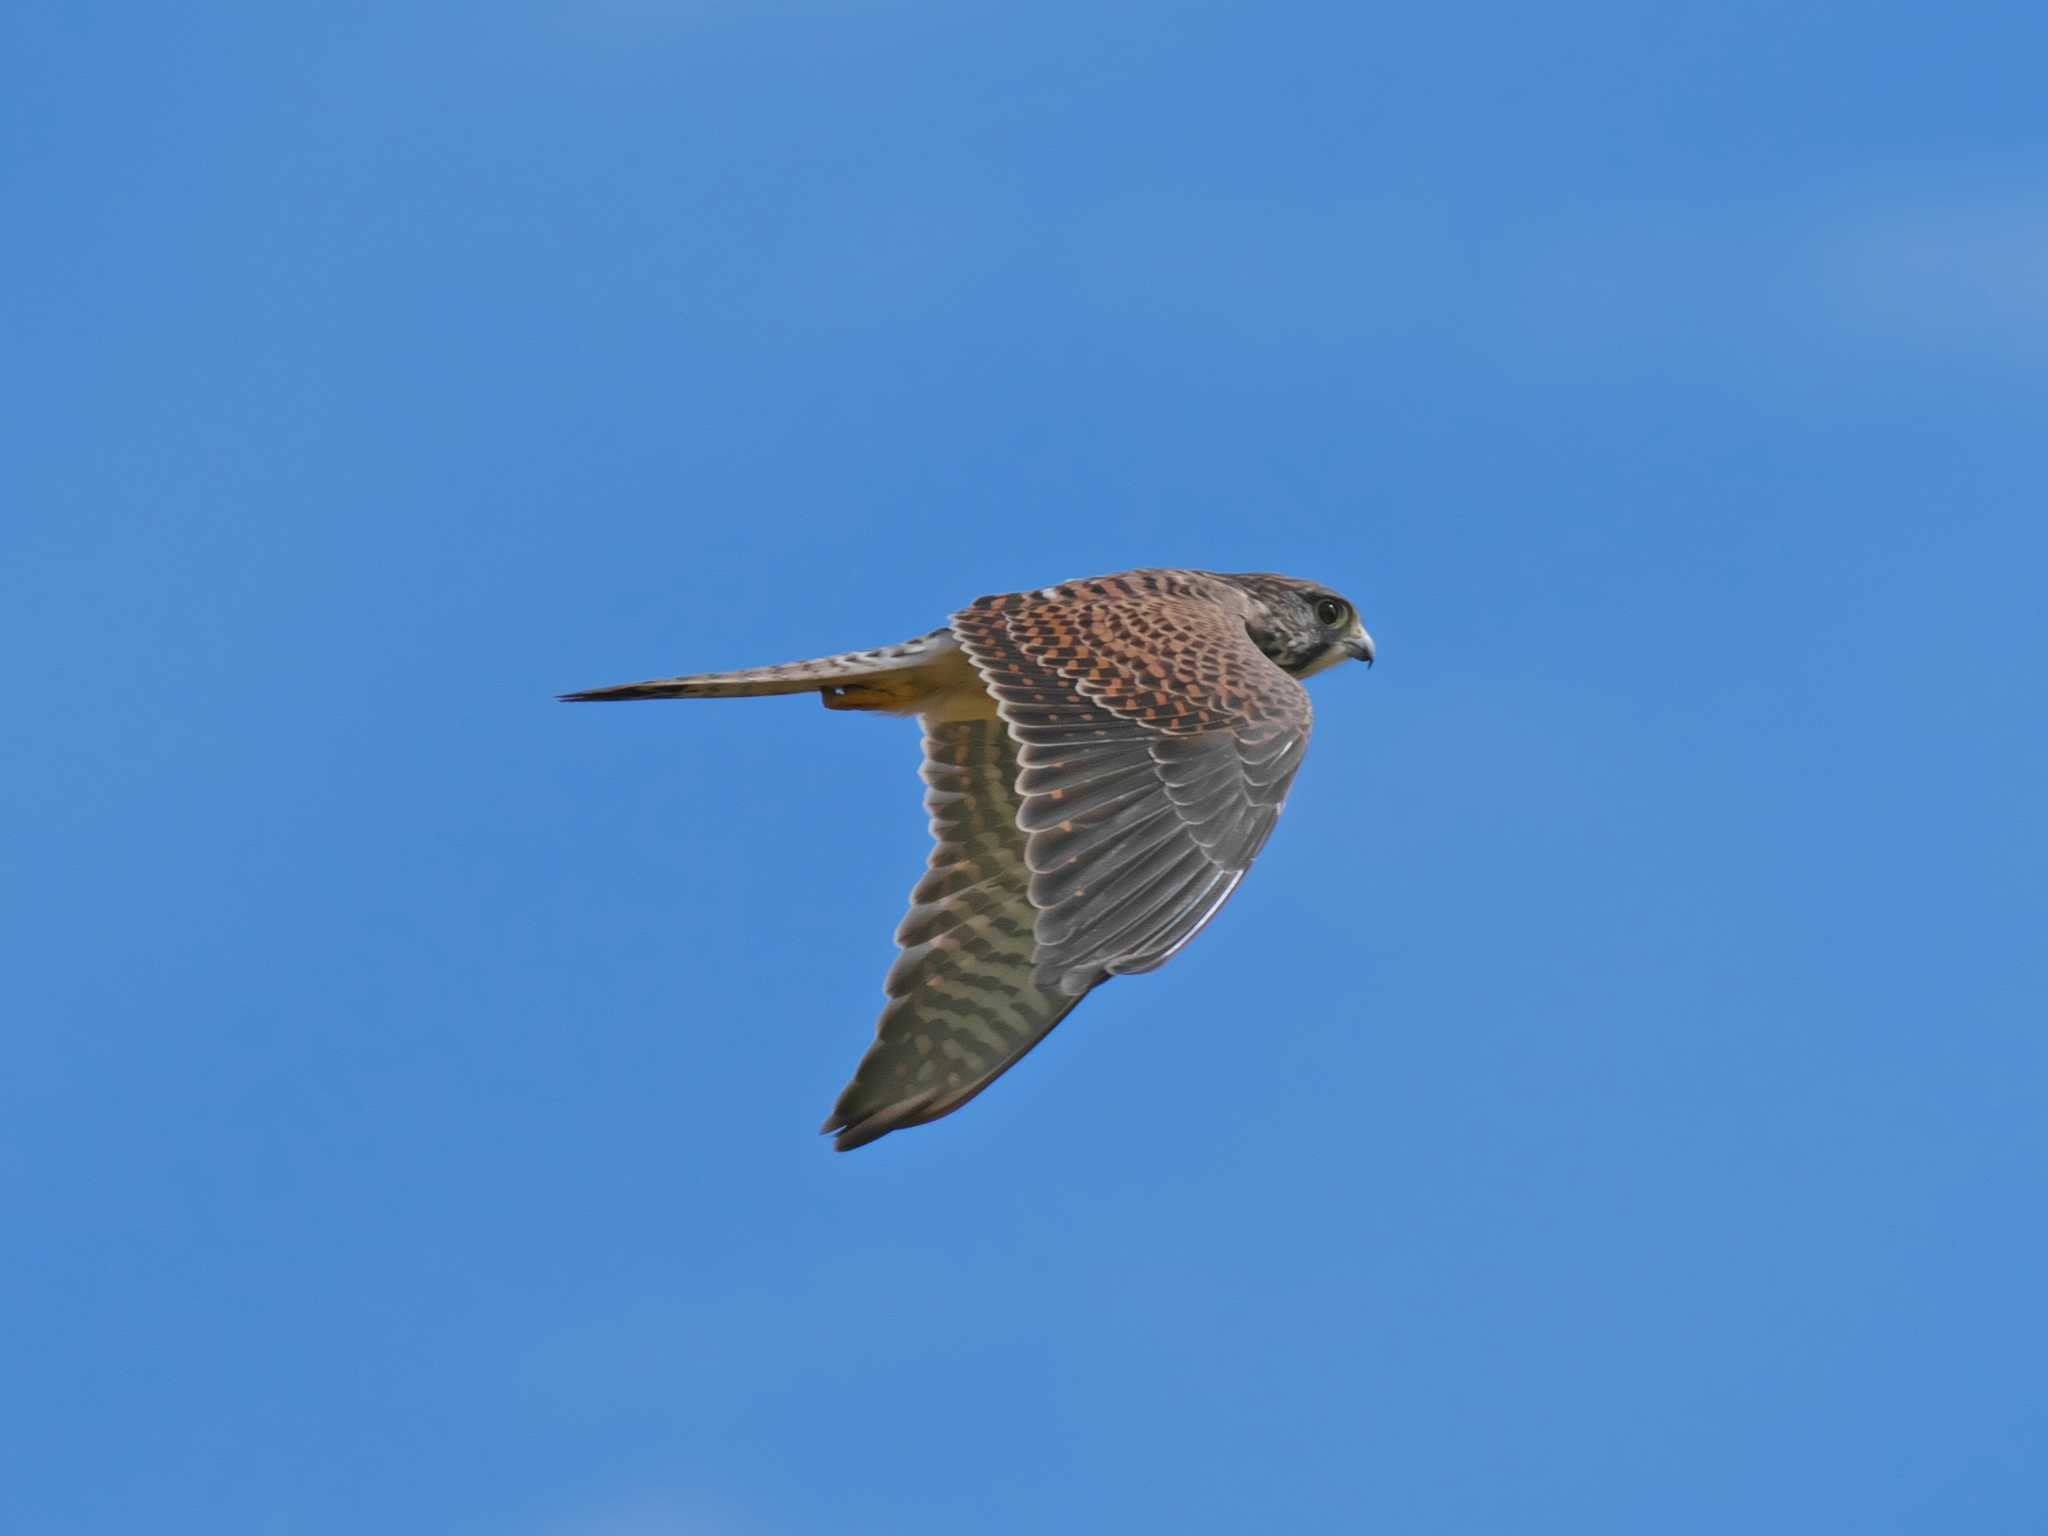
{"x":849,"y":670}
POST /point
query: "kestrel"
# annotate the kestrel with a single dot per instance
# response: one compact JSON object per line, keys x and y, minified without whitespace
{"x":1103,"y":761}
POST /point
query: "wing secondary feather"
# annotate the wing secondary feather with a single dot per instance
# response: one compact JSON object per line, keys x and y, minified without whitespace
{"x":1155,"y":746}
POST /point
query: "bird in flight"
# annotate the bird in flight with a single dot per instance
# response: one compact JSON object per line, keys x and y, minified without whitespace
{"x":1103,"y":759}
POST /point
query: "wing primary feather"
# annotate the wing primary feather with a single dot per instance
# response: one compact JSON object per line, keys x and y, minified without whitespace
{"x":964,"y":1004}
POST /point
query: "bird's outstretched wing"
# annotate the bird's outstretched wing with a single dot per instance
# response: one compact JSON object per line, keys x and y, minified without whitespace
{"x":1155,"y":743}
{"x":1143,"y":751}
{"x":962,"y":1003}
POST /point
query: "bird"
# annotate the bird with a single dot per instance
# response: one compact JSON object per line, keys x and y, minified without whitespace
{"x":1103,"y":759}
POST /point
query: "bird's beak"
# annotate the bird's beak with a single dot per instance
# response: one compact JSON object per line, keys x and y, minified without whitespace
{"x":1361,"y":645}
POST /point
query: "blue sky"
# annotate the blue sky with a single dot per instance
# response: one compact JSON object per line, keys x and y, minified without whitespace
{"x":1615,"y":1102}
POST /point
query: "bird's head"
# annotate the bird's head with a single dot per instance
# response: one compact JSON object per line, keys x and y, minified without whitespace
{"x":1301,"y":625}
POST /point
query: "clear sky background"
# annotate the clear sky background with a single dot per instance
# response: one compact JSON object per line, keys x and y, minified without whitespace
{"x":1617,"y":1102}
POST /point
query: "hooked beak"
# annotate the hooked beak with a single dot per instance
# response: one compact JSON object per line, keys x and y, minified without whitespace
{"x":1361,"y":646}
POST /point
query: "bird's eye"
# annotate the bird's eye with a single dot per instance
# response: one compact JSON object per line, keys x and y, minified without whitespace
{"x":1329,"y":612}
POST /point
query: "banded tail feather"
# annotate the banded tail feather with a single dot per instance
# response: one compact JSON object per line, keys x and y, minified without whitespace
{"x":862,"y":672}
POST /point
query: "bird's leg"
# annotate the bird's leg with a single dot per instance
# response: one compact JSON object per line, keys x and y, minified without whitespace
{"x":860,"y":696}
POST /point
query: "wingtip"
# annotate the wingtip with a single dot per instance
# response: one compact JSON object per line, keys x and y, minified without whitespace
{"x":847,"y":1137}
{"x":855,"y":1124}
